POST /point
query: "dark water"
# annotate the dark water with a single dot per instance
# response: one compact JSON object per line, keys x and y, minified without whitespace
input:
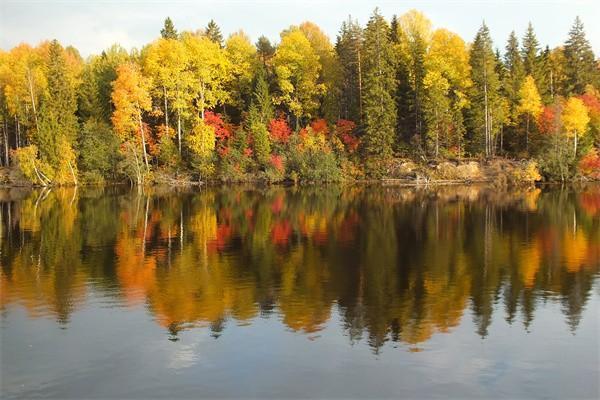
{"x":354,"y":292}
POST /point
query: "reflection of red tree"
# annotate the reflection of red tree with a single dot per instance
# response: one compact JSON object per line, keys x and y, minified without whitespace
{"x":590,"y":203}
{"x":224,"y":233}
{"x":281,"y":232}
{"x":277,"y":204}
{"x":347,"y":229}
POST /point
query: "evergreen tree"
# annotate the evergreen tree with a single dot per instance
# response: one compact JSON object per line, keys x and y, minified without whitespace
{"x":262,"y":97}
{"x":168,"y":31}
{"x":485,"y":96}
{"x":260,"y":135}
{"x":512,"y":79}
{"x":414,"y":43}
{"x":213,"y":32}
{"x":264,"y":49}
{"x":58,"y":124}
{"x":379,"y":89}
{"x":581,"y":68}
{"x":532,"y":59}
{"x":394,"y":27}
{"x":348,"y":48}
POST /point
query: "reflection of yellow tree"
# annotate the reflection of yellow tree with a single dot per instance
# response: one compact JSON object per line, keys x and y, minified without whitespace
{"x":400,"y":264}
{"x":45,"y":273}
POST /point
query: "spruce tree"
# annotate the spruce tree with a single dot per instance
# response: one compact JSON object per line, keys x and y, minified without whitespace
{"x":532,"y":59}
{"x":514,"y":74}
{"x":581,"y":68}
{"x":265,"y":49}
{"x":58,"y":124}
{"x":378,"y":93}
{"x":348,"y":48}
{"x":262,"y":97}
{"x":213,"y":32}
{"x":168,"y":31}
{"x":485,"y":94}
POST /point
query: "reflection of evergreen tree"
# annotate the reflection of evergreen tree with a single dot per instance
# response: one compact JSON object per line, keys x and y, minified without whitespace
{"x":397,"y":264}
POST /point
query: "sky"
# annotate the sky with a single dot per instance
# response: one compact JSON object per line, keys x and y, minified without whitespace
{"x":94,"y":25}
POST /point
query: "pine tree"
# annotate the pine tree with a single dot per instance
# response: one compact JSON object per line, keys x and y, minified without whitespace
{"x":213,"y":32}
{"x":348,"y":48}
{"x":485,"y":96}
{"x":58,"y":123}
{"x":379,"y":90}
{"x":580,"y":65}
{"x":512,"y":80}
{"x":265,"y":49}
{"x":414,"y":43}
{"x":262,"y":97}
{"x":168,"y":31}
{"x":532,"y":59}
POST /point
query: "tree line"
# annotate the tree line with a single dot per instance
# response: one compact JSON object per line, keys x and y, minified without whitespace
{"x":194,"y":104}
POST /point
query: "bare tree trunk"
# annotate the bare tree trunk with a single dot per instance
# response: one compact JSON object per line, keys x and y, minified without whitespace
{"x":143,"y":140}
{"x":527,"y":135}
{"x":73,"y":173}
{"x":359,"y":89}
{"x":5,"y":140}
{"x":32,"y":99}
{"x":166,"y":107}
{"x":17,"y":132}
{"x":485,"y":102}
{"x":179,"y":130}
{"x":202,"y":101}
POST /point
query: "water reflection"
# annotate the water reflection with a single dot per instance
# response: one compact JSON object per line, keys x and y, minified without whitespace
{"x":395,"y":264}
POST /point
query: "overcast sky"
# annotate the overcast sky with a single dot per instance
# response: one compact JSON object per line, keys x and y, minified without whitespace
{"x":92,"y":26}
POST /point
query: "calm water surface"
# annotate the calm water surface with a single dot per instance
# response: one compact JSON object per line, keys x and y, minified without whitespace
{"x":353,"y":292}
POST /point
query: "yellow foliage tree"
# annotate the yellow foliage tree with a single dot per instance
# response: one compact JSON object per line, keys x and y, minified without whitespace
{"x":201,"y":142}
{"x":530,"y":104}
{"x":211,"y":70}
{"x":131,"y":97}
{"x":165,"y":61}
{"x":243,"y":61}
{"x":297,"y":69}
{"x":575,"y":118}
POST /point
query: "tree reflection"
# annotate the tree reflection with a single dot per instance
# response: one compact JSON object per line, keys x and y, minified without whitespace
{"x":395,"y":264}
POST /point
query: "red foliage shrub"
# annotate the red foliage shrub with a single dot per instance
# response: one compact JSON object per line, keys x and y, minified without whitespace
{"x":592,"y":103}
{"x":223,"y":130}
{"x":344,"y":129}
{"x":279,"y":130}
{"x":277,"y":162}
{"x":319,"y":126}
{"x":547,"y":120}
{"x":589,"y":165}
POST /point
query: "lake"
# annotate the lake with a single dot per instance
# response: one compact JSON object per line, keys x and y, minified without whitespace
{"x":360,"y":291}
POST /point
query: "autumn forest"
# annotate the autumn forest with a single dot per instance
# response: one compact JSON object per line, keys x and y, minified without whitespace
{"x":199,"y":106}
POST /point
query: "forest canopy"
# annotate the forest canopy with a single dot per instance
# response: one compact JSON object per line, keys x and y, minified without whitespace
{"x":203,"y":106}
